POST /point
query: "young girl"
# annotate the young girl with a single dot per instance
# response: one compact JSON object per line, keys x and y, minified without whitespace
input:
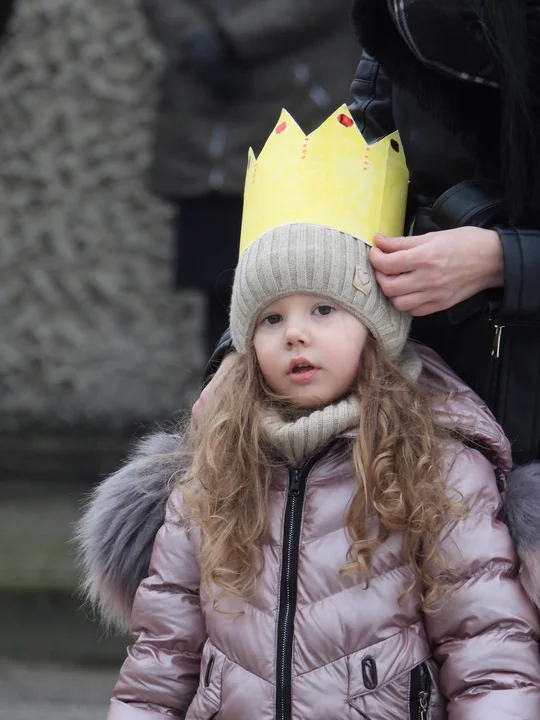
{"x":332,"y":548}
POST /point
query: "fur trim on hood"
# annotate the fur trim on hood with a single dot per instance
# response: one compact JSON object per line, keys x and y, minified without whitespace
{"x":523,"y":519}
{"x":117,"y":530}
{"x":116,"y":533}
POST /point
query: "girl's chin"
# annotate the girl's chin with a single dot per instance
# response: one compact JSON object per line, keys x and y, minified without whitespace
{"x":312,"y":402}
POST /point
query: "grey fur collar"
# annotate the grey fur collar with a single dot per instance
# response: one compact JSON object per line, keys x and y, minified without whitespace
{"x":116,"y":533}
{"x":522,"y":510}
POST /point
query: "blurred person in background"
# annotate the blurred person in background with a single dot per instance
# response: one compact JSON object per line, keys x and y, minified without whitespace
{"x":7,"y":8}
{"x":231,"y":65}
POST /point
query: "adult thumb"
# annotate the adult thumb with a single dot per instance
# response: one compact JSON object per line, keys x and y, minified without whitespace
{"x":389,"y":244}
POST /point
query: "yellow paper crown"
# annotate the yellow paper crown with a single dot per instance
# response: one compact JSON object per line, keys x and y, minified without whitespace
{"x":332,"y":177}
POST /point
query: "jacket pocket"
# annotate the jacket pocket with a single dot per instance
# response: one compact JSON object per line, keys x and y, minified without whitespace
{"x":380,"y":675}
{"x":207,"y":702}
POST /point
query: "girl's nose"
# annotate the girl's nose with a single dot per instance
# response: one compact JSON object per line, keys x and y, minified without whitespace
{"x":296,"y":334}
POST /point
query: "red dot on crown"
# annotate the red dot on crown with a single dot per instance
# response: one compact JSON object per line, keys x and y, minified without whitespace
{"x":344,"y":120}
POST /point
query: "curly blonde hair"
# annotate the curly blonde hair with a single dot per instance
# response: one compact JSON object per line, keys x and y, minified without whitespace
{"x":397,"y":460}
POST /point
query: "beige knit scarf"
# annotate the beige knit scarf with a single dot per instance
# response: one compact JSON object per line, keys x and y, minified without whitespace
{"x":297,"y":440}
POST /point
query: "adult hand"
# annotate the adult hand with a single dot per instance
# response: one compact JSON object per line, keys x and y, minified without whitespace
{"x":424,"y":274}
{"x":201,"y":404}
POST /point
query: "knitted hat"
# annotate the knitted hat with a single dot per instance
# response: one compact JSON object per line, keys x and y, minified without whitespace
{"x":319,"y":261}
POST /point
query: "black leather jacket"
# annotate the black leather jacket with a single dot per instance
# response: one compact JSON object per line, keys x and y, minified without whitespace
{"x":493,"y":339}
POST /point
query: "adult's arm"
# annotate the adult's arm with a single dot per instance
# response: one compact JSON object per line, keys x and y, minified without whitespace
{"x":371,"y":106}
{"x":372,"y":110}
{"x":223,"y":348}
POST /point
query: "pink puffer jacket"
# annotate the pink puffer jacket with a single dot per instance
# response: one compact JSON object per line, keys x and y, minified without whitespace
{"x":312,"y":645}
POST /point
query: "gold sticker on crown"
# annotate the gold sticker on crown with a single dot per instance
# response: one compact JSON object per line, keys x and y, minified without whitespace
{"x":362,"y":280}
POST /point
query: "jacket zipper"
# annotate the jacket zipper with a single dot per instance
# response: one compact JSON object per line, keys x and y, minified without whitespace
{"x":420,"y":694}
{"x":288,"y":586}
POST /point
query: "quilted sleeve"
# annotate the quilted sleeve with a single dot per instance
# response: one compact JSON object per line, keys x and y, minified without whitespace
{"x":485,"y":636}
{"x":161,"y":673}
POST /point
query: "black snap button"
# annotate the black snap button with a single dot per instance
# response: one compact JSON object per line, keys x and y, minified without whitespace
{"x":369,"y":673}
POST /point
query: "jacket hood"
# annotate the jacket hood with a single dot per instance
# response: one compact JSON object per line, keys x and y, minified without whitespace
{"x":459,"y":408}
{"x":462,"y":410}
{"x":467,"y":413}
{"x":116,"y":532}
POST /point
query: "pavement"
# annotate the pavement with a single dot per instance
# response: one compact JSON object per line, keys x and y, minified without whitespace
{"x":54,"y":692}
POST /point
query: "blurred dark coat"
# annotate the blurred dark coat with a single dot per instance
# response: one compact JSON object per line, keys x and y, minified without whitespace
{"x":7,"y":8}
{"x":300,"y":55}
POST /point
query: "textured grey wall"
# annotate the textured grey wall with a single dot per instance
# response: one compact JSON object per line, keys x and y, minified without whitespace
{"x":89,"y":329}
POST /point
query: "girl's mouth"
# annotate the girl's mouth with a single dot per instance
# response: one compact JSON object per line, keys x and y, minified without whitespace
{"x":303,"y":373}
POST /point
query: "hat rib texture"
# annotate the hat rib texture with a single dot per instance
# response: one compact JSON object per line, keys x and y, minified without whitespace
{"x":312,"y":259}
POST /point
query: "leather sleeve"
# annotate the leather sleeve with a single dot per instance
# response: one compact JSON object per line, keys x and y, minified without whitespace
{"x":485,"y":635}
{"x":223,"y":348}
{"x":521,"y":297}
{"x":161,"y":673}
{"x":371,"y":106}
{"x":268,"y":28}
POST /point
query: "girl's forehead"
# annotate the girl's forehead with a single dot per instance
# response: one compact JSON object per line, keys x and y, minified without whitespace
{"x":296,"y":300}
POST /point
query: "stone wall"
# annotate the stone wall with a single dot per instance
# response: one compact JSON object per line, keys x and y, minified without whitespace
{"x":90,"y":330}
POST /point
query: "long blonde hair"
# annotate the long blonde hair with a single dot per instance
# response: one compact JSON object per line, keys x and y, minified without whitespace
{"x":397,"y":460}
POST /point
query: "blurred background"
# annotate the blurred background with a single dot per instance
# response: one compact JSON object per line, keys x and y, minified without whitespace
{"x":124,"y":129}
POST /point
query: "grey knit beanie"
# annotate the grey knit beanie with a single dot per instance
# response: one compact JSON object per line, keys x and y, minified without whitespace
{"x":320,"y":261}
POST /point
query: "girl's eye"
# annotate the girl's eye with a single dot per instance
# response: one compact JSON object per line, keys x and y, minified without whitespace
{"x":324,"y":310}
{"x":272,"y":319}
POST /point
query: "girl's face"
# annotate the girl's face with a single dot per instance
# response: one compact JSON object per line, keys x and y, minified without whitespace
{"x":308,"y":349}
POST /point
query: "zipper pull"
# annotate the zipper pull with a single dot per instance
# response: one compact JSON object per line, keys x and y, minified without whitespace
{"x":423,"y":702}
{"x":294,"y":488}
{"x":496,"y":350}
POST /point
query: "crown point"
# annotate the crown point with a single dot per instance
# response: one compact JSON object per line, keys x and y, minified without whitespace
{"x":311,"y":179}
